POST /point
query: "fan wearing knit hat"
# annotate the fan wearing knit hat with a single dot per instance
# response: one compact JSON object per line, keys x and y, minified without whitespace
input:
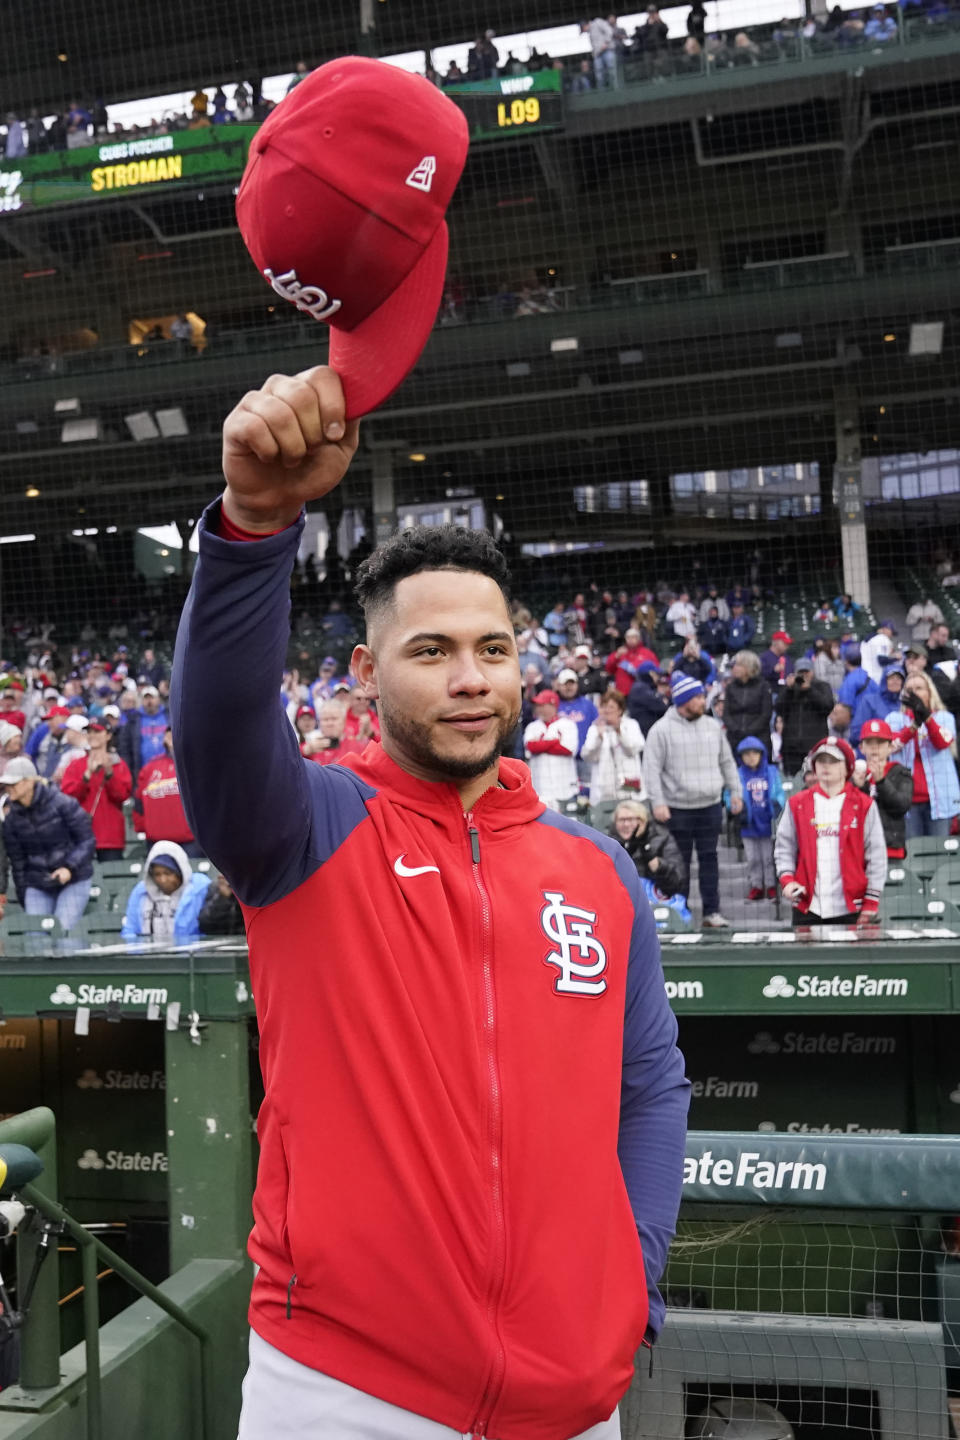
{"x":686,"y":767}
{"x":830,"y":853}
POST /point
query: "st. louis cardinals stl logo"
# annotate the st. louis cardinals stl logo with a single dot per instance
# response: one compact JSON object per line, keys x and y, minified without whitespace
{"x":571,"y":930}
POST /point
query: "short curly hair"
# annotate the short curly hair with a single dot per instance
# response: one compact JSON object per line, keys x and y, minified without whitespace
{"x":427,"y":547}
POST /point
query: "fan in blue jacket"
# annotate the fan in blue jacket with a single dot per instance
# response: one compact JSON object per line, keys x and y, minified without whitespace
{"x":763,"y":801}
{"x":165,"y":905}
{"x":876,"y":703}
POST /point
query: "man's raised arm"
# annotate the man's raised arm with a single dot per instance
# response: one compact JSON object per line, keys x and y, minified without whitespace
{"x":238,"y":762}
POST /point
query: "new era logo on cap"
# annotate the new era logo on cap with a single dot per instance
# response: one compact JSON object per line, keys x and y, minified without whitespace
{"x":342,"y":208}
{"x":422,"y":177}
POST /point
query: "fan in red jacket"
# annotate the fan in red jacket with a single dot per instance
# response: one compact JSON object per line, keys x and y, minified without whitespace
{"x":830,"y":853}
{"x":626,"y":660}
{"x":472,"y":1137}
{"x":101,"y":782}
{"x":157,"y":806}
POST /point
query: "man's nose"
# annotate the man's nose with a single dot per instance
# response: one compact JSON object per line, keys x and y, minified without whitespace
{"x":468,"y":677}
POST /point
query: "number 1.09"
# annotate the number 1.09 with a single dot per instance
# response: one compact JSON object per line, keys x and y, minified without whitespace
{"x":518,"y":112}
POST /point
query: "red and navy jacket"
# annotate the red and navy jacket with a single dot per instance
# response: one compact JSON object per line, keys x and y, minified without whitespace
{"x":473,"y":1132}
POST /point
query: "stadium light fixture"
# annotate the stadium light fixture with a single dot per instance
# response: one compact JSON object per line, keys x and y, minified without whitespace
{"x":142,"y":425}
{"x":172,"y":422}
{"x":67,"y":407}
{"x":569,"y":342}
{"x":16,"y":539}
{"x":417,"y":456}
{"x":75,"y":431}
{"x":926,"y":338}
{"x":889,"y":338}
{"x":31,"y":492}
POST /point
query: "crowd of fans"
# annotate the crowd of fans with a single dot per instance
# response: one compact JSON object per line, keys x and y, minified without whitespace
{"x":656,"y":716}
{"x":614,"y":55}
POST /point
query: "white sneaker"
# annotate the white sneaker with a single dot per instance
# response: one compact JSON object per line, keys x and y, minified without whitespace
{"x":715,"y":922}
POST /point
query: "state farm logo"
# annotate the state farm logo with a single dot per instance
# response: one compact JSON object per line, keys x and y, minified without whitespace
{"x":93,"y":994}
{"x":819,"y":1042}
{"x":763,"y":1043}
{"x":716,"y":1088}
{"x":954,"y":1096}
{"x":122,"y":1080}
{"x":778,"y":987}
{"x":123,"y":1160}
{"x":803,"y":1127}
{"x":822,"y":987}
{"x":12,"y":1042}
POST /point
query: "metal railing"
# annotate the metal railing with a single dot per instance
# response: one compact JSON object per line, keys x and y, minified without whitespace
{"x":39,"y":1325}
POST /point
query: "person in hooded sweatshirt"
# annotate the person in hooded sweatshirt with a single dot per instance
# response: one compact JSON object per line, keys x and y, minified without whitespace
{"x":644,"y":703}
{"x":763,"y":800}
{"x":165,"y":906}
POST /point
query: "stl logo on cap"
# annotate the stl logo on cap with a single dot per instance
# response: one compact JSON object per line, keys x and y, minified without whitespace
{"x":342,"y":207}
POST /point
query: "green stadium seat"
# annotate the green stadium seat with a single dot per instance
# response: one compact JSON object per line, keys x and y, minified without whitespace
{"x":670,"y":920}
{"x":927,"y":853}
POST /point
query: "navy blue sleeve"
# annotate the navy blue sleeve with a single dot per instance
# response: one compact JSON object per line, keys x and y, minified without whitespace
{"x":654,"y":1097}
{"x":265,"y":816}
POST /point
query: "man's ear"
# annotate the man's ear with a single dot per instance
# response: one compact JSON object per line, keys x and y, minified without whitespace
{"x":363,"y":668}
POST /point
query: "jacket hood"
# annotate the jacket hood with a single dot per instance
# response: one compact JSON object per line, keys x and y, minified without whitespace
{"x":175,"y":852}
{"x":516,"y":803}
{"x":750,"y":742}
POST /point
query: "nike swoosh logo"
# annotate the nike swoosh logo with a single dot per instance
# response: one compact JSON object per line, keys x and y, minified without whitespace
{"x":407,"y":870}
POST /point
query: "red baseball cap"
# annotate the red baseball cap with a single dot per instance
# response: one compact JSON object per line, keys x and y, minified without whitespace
{"x":58,"y":710}
{"x":839,"y":749}
{"x":782,"y":635}
{"x":876,"y":730}
{"x":342,"y":205}
{"x":546,"y":697}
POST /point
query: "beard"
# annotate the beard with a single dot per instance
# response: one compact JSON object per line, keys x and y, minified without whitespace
{"x":414,"y":739}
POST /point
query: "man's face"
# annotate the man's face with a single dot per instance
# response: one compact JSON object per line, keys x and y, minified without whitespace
{"x":445,"y":674}
{"x":546,"y":713}
{"x":693,"y":709}
{"x":326,"y":674}
{"x":876,"y":752}
{"x":333,"y":719}
{"x":778,"y":647}
{"x":580,"y":663}
{"x":915,"y":664}
{"x":939,"y":635}
{"x":358,"y":702}
{"x":632,"y":637}
{"x":56,"y":723}
{"x":568,"y":690}
{"x":150,"y":704}
{"x":22,"y":792}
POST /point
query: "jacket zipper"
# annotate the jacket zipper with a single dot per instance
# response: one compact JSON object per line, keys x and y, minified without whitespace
{"x":498,"y":1246}
{"x":293,"y":1281}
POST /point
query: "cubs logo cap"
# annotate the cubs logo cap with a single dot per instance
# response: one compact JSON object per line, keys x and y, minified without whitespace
{"x":876,"y":730}
{"x":342,"y":206}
